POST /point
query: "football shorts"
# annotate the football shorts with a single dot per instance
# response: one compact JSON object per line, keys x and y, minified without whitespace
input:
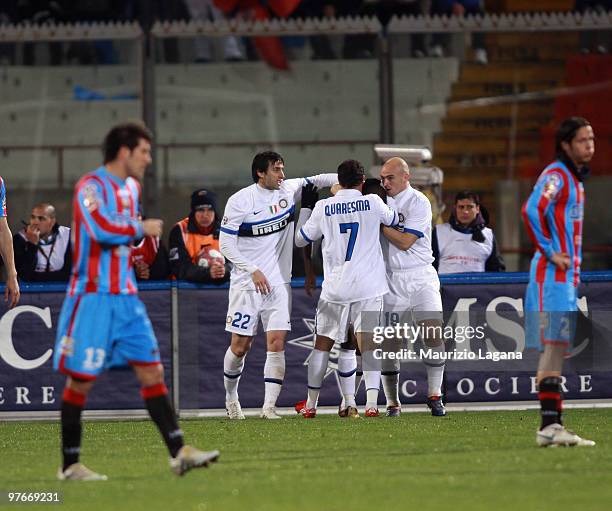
{"x":99,"y":331}
{"x":246,"y":307}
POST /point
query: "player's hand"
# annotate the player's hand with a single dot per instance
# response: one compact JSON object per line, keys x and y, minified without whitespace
{"x":561,"y":260}
{"x":261,"y":282}
{"x":11,"y":291}
{"x":310,"y":196}
{"x":152,"y":227}
{"x":217,"y":270}
{"x":334,"y":188}
{"x":32,"y":234}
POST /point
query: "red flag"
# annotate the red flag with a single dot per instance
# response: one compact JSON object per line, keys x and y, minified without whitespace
{"x":226,"y":5}
{"x":283,"y":8}
{"x":270,"y":48}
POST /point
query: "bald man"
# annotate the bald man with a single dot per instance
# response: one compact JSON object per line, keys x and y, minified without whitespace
{"x":414,"y":287}
{"x":42,"y":248}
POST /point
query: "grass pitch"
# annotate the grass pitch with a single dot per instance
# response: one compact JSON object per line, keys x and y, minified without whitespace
{"x":465,"y":461}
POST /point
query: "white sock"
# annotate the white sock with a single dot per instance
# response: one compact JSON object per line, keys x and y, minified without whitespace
{"x":232,"y":369}
{"x":274,"y":373}
{"x":347,"y":366}
{"x":372,"y":383}
{"x":435,"y":373}
{"x":317,"y":365}
{"x":358,"y":374}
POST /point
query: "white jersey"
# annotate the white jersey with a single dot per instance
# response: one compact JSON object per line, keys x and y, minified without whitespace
{"x":257,"y":230}
{"x":414,"y":211}
{"x":353,"y":263}
{"x":459,"y":253}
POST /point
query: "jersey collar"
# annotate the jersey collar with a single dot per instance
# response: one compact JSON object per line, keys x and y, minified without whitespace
{"x":348,"y":192}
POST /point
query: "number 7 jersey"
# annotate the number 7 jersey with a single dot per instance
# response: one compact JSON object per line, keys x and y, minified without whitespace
{"x":353,"y":264}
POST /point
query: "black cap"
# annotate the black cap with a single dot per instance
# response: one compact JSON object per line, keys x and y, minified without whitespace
{"x":202,"y":199}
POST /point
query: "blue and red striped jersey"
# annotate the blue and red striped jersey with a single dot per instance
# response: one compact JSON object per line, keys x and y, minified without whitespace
{"x":2,"y":198}
{"x":553,"y":216}
{"x":104,"y":226}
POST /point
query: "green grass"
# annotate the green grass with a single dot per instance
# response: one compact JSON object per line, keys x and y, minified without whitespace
{"x":466,"y":461}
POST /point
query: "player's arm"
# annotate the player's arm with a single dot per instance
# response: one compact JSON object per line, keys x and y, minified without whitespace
{"x":416,"y":222}
{"x":435,"y":248}
{"x":11,"y":291}
{"x":318,"y":181}
{"x":400,"y":237}
{"x":104,"y":226}
{"x":535,"y":209}
{"x":310,"y":196}
{"x":234,"y":214}
{"x":310,"y":230}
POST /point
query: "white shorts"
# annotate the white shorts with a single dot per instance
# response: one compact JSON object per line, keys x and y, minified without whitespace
{"x":416,"y":291}
{"x":333,"y":319}
{"x":246,"y":307}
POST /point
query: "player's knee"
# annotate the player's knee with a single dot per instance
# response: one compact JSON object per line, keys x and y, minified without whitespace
{"x":78,"y":385}
{"x":150,"y":374}
{"x":276,"y":344}
{"x":240,"y":345}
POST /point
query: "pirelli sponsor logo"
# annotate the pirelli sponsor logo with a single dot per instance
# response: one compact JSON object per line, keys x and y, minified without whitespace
{"x":268,"y":227}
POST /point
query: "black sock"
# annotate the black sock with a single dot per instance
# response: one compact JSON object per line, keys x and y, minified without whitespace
{"x":72,"y":406}
{"x":551,"y":400}
{"x":160,"y":410}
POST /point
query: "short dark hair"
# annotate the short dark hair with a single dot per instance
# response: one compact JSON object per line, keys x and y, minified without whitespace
{"x":567,"y":131}
{"x":128,"y":135}
{"x":262,"y":161}
{"x":467,"y":194}
{"x":350,"y":173}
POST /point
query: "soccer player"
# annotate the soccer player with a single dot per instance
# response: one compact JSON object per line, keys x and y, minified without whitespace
{"x":11,"y":290}
{"x":349,"y":224}
{"x":553,"y":215}
{"x":103,"y":323}
{"x":414,"y":287}
{"x":257,"y":237}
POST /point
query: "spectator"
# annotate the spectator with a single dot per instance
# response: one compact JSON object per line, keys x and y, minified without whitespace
{"x":205,"y":10}
{"x":596,"y":41}
{"x":150,"y":258}
{"x":465,"y":243}
{"x":194,"y":242}
{"x":362,"y":45}
{"x":458,"y":8}
{"x":42,"y":247}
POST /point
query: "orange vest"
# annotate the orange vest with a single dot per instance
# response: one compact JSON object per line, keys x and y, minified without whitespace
{"x":196,"y":243}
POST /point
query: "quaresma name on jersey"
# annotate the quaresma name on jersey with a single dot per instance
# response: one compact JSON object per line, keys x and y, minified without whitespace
{"x":353,"y":263}
{"x":414,"y":212}
{"x":262,"y":221}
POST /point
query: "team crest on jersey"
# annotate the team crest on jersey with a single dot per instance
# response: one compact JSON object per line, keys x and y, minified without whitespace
{"x":283,"y":203}
{"x":551,"y":186}
{"x":275,"y":209}
{"x":401,"y":218}
{"x":576,"y":212}
{"x":90,"y":198}
{"x":225,"y":220}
